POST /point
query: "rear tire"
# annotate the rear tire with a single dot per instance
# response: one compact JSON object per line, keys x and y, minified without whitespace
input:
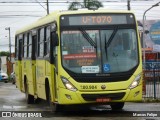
{"x":38,"y":100}
{"x":117,"y":106}
{"x":13,"y":81}
{"x":6,"y":81}
{"x":29,"y":98}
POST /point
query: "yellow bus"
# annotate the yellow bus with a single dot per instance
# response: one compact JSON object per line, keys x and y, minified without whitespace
{"x":80,"y":57}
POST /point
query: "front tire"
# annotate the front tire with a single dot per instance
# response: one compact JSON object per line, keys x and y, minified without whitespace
{"x":117,"y":106}
{"x":54,"y":107}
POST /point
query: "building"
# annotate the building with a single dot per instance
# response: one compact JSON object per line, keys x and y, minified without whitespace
{"x":3,"y":63}
{"x":6,"y":65}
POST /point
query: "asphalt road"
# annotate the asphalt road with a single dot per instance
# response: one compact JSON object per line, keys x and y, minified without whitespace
{"x":12,"y":103}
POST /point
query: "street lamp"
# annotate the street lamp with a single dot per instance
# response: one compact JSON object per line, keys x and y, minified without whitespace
{"x":8,"y":28}
{"x":157,"y":4}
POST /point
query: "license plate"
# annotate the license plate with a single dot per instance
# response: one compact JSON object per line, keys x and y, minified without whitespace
{"x":103,"y":100}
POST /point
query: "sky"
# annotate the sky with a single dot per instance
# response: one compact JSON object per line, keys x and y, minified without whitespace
{"x":19,"y":13}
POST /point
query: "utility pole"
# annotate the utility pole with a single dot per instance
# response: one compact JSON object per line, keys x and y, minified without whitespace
{"x":8,"y":28}
{"x":128,"y":4}
{"x":47,"y":7}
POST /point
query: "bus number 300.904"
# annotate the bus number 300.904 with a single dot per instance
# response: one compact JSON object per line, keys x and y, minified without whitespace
{"x":88,"y":87}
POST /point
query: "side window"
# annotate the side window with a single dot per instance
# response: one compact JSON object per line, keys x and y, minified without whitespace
{"x":34,"y":46}
{"x":47,"y":41}
{"x":20,"y":48}
{"x":16,"y":47}
{"x":25,"y":46}
{"x":30,"y":45}
{"x":41,"y":43}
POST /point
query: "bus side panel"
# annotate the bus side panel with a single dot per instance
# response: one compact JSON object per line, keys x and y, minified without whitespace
{"x":23,"y":73}
{"x":34,"y":77}
{"x":30,"y":76}
{"x":18,"y":74}
{"x":50,"y":75}
{"x":40,"y":78}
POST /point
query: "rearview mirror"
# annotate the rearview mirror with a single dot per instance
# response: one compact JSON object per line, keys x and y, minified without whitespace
{"x":54,"y":38}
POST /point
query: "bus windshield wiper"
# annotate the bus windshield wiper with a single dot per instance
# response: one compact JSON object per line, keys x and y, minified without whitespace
{"x":88,"y":38}
{"x":110,"y":39}
{"x":107,"y":43}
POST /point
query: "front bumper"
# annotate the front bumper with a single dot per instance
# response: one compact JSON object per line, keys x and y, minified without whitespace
{"x":69,"y":97}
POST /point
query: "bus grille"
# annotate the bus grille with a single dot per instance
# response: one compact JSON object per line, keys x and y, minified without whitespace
{"x":112,"y":96}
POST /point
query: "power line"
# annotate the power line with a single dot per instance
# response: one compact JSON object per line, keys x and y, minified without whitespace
{"x":19,"y":11}
{"x":40,"y":4}
{"x":70,"y":1}
{"x":67,"y":5}
{"x":20,"y":16}
{"x":12,"y":45}
{"x":6,"y":2}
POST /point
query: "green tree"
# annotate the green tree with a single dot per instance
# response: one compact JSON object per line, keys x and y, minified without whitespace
{"x":86,"y":4}
{"x":75,"y":6}
{"x":92,"y":4}
{"x":4,"y":53}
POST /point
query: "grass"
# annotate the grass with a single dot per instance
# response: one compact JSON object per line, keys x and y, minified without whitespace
{"x":151,"y":100}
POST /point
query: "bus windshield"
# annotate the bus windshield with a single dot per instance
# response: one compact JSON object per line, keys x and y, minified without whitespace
{"x":99,"y":51}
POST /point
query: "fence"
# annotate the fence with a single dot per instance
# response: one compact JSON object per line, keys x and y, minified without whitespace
{"x":152,"y":80}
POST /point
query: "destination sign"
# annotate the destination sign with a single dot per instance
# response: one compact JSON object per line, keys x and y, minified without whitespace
{"x":96,"y":19}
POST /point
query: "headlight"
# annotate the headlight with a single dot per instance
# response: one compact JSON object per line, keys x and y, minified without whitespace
{"x":136,"y":81}
{"x":67,"y":84}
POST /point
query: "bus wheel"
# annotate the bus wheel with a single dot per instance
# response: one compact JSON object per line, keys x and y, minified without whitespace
{"x":117,"y":106}
{"x":54,"y":107}
{"x":29,"y":98}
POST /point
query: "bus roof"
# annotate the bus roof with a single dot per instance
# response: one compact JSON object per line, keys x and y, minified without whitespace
{"x":55,"y":15}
